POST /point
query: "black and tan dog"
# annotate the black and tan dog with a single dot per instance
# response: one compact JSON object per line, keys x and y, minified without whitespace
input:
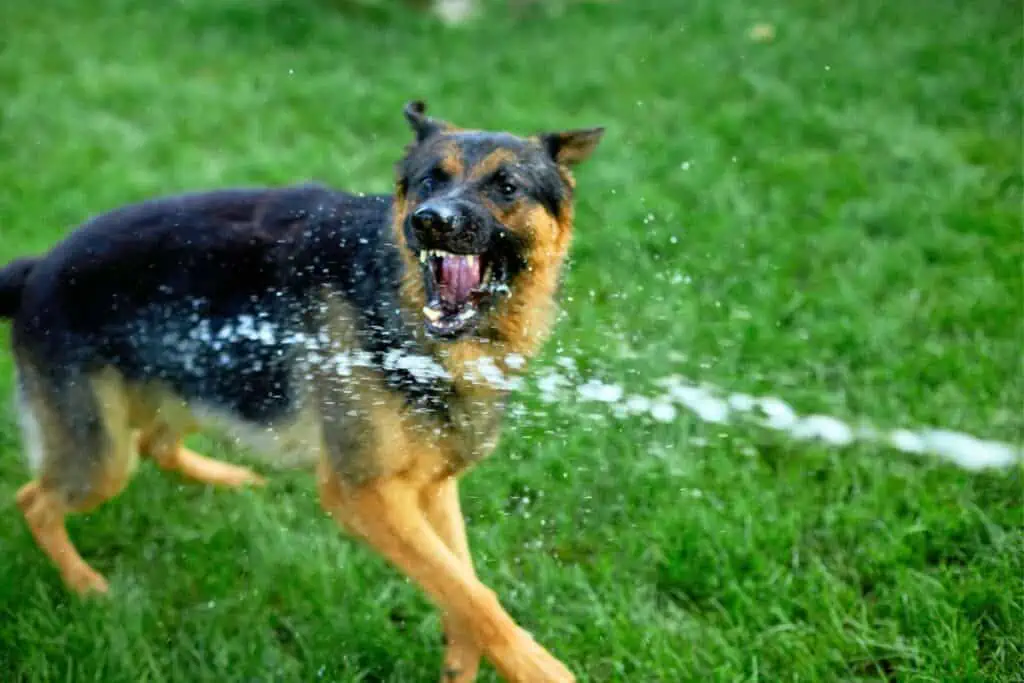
{"x":377,"y":336}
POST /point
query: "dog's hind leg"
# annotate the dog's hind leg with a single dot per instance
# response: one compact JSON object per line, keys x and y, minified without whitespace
{"x":164,"y":445}
{"x":77,"y":433}
{"x":462,"y":653}
{"x":44,"y":512}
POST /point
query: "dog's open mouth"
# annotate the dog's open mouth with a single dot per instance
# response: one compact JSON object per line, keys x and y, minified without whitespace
{"x":459,"y":288}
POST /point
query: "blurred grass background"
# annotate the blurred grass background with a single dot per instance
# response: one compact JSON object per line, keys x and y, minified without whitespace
{"x":817,"y":201}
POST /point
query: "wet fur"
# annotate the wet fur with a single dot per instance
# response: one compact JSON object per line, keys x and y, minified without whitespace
{"x":291,"y":318}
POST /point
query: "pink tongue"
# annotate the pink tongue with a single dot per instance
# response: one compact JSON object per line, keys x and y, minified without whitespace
{"x":458,"y":278}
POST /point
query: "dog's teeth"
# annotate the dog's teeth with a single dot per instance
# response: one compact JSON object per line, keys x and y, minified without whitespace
{"x":467,"y":314}
{"x":423,"y":257}
{"x":433,"y":315}
{"x":471,"y":260}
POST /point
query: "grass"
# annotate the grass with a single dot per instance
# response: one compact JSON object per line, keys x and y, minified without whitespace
{"x":833,"y":216}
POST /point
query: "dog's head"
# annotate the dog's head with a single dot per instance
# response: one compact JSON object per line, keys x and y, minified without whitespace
{"x":484,"y":220}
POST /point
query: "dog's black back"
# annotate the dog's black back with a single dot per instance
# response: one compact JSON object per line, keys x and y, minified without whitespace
{"x":213,"y":293}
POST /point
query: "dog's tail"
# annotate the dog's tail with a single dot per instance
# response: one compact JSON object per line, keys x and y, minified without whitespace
{"x":12,"y":282}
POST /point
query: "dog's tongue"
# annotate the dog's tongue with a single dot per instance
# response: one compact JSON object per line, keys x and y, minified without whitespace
{"x":459,"y":276}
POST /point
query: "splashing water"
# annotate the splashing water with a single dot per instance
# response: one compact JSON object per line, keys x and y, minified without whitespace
{"x":715,"y":405}
{"x":562,"y":383}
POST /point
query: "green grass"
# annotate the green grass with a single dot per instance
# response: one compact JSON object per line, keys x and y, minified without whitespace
{"x":844,"y":203}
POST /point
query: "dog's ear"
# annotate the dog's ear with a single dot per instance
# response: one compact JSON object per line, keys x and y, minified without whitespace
{"x":572,"y":146}
{"x":424,"y":126}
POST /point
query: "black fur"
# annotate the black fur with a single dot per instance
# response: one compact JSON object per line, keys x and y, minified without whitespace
{"x":12,"y":282}
{"x":217,"y":294}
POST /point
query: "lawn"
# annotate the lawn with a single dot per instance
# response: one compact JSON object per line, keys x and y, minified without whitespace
{"x":830,"y":214}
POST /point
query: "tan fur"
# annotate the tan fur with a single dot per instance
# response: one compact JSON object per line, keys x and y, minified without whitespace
{"x":44,"y":514}
{"x":451,"y":161}
{"x":389,"y":515}
{"x":491,"y":163}
{"x":440,"y":504}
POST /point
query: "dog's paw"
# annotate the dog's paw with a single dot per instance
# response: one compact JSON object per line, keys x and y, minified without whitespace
{"x":86,"y":581}
{"x":461,"y":664}
{"x":531,"y":663}
{"x":244,"y":477}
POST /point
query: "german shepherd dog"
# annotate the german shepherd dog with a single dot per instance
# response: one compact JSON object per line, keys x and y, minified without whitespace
{"x":376,"y":336}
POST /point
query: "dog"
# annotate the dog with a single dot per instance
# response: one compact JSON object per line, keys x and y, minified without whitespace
{"x":376,"y":337}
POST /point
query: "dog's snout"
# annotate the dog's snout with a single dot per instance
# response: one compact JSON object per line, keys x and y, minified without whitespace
{"x":444,"y":225}
{"x":435,"y":217}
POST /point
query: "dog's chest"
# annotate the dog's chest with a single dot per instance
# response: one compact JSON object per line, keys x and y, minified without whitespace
{"x":440,"y":448}
{"x":372,"y":430}
{"x":474,"y":427}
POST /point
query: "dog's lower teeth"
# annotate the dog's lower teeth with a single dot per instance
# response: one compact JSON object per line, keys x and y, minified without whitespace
{"x":433,"y":315}
{"x":467,"y":314}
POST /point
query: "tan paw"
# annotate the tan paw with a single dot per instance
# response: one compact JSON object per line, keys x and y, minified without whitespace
{"x":243,"y":477}
{"x":531,"y":663}
{"x":458,"y":674}
{"x":461,"y":663}
{"x":86,"y":581}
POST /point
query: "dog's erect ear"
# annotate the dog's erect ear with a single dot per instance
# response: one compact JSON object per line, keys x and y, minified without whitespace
{"x":424,"y":126}
{"x":572,"y":146}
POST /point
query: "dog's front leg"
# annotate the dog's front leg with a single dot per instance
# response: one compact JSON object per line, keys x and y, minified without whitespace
{"x":462,"y":652}
{"x":387,"y":514}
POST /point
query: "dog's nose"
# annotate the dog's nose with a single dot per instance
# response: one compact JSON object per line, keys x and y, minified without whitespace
{"x":436,"y":217}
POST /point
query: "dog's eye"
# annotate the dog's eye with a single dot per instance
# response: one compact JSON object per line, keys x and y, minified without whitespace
{"x":433,"y":180}
{"x":506,"y":186}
